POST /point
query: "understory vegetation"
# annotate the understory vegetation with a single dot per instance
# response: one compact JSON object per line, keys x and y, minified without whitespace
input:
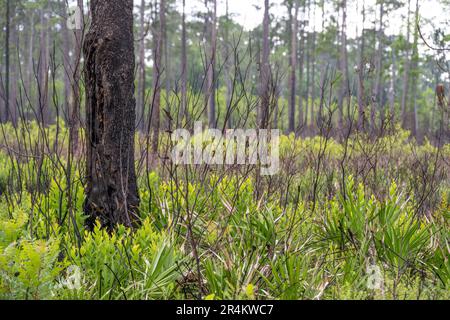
{"x":341,"y":220}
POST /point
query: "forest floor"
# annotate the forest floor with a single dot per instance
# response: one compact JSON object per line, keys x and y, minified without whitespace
{"x":360,"y":219}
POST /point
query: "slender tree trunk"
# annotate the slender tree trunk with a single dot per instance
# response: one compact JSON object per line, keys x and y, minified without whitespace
{"x":293,"y":69}
{"x":313,"y":71}
{"x":111,"y":189}
{"x":263,"y":115}
{"x":166,"y":52}
{"x":361,"y":104}
{"x":2,"y":95}
{"x":308,"y":67}
{"x":43,"y":65}
{"x":165,"y":66}
{"x":414,"y":76}
{"x":392,"y":90}
{"x":343,"y":92}
{"x":277,"y":108}
{"x":433,"y":110}
{"x":157,"y":73}
{"x":7,"y":74}
{"x":377,"y":92}
{"x":211,"y":69}
{"x":324,"y":74}
{"x":405,"y":91}
{"x":13,"y":73}
{"x":228,"y":67}
{"x":76,"y":77}
{"x":184,"y":110}
{"x":301,"y":70}
{"x":30,"y":66}
{"x":205,"y":51}
{"x":140,"y":105}
{"x":67,"y":69}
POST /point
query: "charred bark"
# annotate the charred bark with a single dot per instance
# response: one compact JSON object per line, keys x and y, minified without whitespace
{"x":111,"y":189}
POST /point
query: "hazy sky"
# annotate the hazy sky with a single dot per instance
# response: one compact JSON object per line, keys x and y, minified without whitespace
{"x":246,"y":13}
{"x":434,"y":14}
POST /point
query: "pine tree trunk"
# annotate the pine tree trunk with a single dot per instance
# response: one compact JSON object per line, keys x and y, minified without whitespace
{"x":301,"y":64}
{"x":308,"y":68}
{"x":343,"y":92}
{"x":5,"y":117}
{"x":263,"y":114}
{"x":414,"y":77}
{"x":361,"y":104}
{"x":392,"y":91}
{"x":14,"y":74}
{"x":313,"y":73}
{"x":140,"y":105}
{"x":166,"y":52}
{"x":111,"y":189}
{"x":293,"y":66}
{"x":30,"y":67}
{"x":405,"y":91}
{"x":211,"y":70}
{"x":43,"y":64}
{"x":228,"y":67}
{"x":67,"y":69}
{"x":157,"y":74}
{"x":301,"y":71}
{"x":76,"y":77}
{"x":377,"y":92}
{"x":183,"y":111}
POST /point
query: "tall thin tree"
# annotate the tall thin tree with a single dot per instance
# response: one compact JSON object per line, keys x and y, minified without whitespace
{"x":157,"y":75}
{"x":140,"y":105}
{"x":313,"y":69}
{"x":293,"y":68}
{"x":377,"y":89}
{"x":43,"y":69}
{"x":406,"y":68}
{"x":228,"y":65}
{"x":308,"y":64}
{"x":67,"y":68}
{"x":360,"y":71}
{"x":414,"y":125}
{"x":263,"y":112}
{"x":211,"y":85}
{"x":184,"y":106}
{"x":76,"y":82}
{"x":344,"y":88}
{"x":301,"y":68}
{"x":7,"y":31}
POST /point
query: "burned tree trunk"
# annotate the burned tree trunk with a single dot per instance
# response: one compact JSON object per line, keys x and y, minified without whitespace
{"x":111,"y":190}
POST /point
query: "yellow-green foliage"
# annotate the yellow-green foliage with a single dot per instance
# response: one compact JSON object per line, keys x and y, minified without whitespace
{"x":280,"y":243}
{"x":28,"y":267}
{"x":143,"y":264}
